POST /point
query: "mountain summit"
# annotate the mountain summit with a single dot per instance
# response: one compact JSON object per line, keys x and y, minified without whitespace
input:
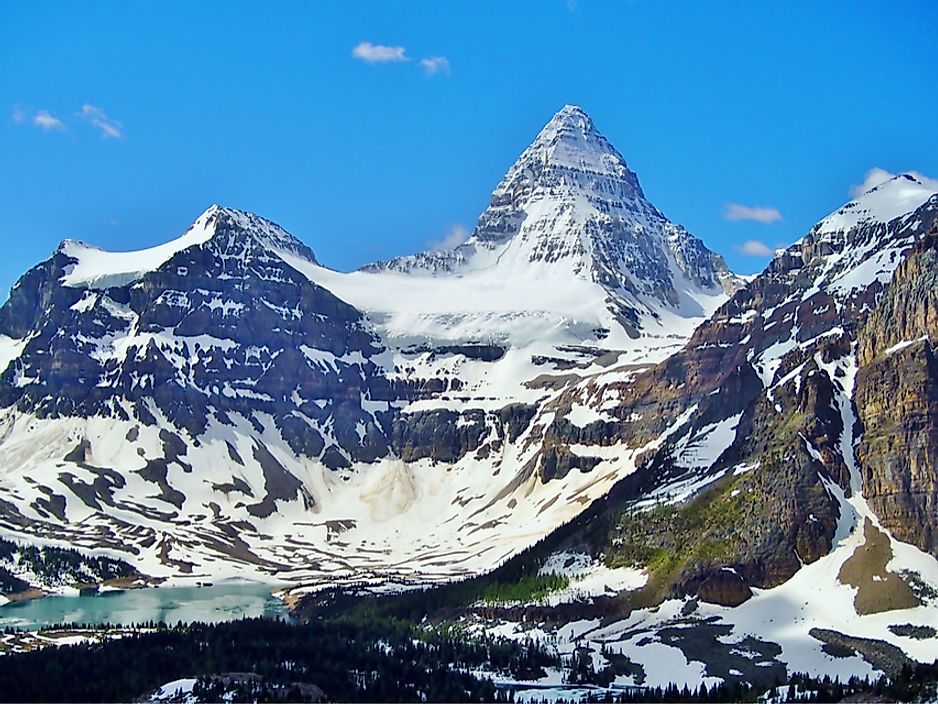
{"x":91,"y":267}
{"x":571,"y":154}
{"x":570,"y":207}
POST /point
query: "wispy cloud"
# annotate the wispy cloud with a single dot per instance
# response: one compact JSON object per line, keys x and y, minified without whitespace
{"x":384,"y":54}
{"x":455,"y":236}
{"x":755,"y":248}
{"x":43,"y":119}
{"x":46,"y":121}
{"x":926,"y":180}
{"x":110,"y":128}
{"x":435,"y":64}
{"x":765,"y":215}
{"x":379,"y":53}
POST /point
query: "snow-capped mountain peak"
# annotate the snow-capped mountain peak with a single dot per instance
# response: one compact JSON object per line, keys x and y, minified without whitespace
{"x":93,"y":267}
{"x":570,"y":141}
{"x":570,"y":210}
{"x":241,"y":223}
{"x":573,"y":170}
{"x":886,"y":201}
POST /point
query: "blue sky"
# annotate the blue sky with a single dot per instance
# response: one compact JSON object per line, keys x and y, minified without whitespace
{"x":122,"y":121}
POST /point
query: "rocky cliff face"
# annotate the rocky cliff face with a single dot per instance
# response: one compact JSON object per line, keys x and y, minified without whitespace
{"x":897,"y":401}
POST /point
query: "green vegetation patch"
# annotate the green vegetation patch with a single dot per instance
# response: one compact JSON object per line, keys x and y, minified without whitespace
{"x":668,"y":541}
{"x":528,"y":589}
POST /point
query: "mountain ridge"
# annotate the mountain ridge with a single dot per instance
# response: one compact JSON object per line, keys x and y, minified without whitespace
{"x":224,"y":404}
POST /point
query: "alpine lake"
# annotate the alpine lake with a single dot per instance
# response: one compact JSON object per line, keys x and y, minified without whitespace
{"x":227,"y":601}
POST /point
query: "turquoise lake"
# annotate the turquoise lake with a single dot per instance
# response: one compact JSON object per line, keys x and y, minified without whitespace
{"x":220,"y":602}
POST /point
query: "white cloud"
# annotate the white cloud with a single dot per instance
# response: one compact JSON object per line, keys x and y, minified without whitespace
{"x":435,"y":64}
{"x":765,"y":215}
{"x":455,"y":236}
{"x":873,"y":178}
{"x":876,"y":176}
{"x":46,"y":121}
{"x":379,"y":53}
{"x":925,"y":180}
{"x":755,"y":248}
{"x":19,"y":115}
{"x":109,"y":127}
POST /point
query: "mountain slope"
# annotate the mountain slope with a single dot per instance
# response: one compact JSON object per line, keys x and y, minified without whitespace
{"x":211,"y":324}
{"x":784,"y":512}
{"x":766,"y":384}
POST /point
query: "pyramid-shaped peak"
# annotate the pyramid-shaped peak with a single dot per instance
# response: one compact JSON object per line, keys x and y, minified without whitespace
{"x":570,"y":208}
{"x":570,"y":122}
{"x":569,"y":152}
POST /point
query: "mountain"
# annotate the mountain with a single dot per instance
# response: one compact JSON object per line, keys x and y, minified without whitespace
{"x":764,"y":392}
{"x":738,"y":480}
{"x":570,"y":245}
{"x":187,"y":333}
{"x":782,"y":512}
{"x":154,"y":400}
{"x":223,"y":403}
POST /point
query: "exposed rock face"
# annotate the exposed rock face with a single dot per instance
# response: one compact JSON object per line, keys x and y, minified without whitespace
{"x":758,"y":408}
{"x":725,"y":588}
{"x":883,"y":656}
{"x":221,"y":328}
{"x":897,"y":401}
{"x":441,"y":435}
